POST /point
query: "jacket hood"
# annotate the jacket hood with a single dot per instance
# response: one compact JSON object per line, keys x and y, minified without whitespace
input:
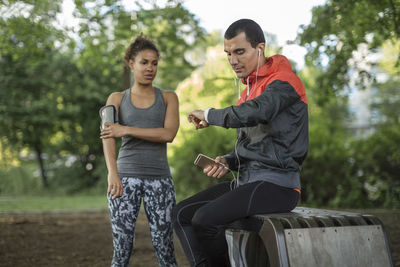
{"x":274,"y":64}
{"x":277,"y":67}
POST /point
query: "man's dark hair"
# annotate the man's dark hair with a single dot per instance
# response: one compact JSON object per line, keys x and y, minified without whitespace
{"x":253,"y":31}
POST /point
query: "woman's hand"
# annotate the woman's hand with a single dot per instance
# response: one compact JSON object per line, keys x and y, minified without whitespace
{"x":115,"y":188}
{"x":112,"y":130}
{"x":217,"y":170}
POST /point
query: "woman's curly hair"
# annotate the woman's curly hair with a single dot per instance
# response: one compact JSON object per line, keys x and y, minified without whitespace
{"x":139,"y":44}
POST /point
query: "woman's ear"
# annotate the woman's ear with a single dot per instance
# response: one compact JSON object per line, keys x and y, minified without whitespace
{"x":131,"y":64}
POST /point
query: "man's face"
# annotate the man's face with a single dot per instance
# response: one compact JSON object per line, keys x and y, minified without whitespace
{"x":241,"y":55}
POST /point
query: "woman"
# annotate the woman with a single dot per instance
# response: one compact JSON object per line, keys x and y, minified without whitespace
{"x":149,"y":118}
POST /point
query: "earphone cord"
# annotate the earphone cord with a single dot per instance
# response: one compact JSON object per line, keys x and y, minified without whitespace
{"x":237,"y":157}
{"x":236,"y":178}
{"x":247,"y":80}
{"x":258,"y":65}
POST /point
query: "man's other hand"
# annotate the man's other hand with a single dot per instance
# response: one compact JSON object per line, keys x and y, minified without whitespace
{"x":217,"y":170}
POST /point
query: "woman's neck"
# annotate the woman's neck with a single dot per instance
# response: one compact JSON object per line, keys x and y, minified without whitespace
{"x":142,"y":88}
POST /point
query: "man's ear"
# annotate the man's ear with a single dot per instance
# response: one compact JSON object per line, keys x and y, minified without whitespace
{"x":262,"y":47}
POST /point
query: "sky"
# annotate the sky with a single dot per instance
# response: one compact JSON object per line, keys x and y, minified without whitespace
{"x":281,"y":18}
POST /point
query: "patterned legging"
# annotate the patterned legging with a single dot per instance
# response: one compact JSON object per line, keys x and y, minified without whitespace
{"x":159,"y":198}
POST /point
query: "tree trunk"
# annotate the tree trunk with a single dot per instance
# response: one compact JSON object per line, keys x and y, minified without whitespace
{"x":41,"y":165}
{"x":126,"y":79}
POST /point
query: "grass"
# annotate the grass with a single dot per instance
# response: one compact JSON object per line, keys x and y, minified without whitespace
{"x":52,"y":203}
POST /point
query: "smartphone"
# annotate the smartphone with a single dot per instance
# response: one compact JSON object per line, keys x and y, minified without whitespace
{"x":107,"y":114}
{"x":204,"y":161}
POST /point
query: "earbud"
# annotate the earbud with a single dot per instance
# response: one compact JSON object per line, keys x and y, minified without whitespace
{"x":259,"y":51}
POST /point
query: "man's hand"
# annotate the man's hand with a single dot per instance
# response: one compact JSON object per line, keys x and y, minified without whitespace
{"x":115,"y":188}
{"x":112,"y":130}
{"x":197,"y":118}
{"x":216,"y":170}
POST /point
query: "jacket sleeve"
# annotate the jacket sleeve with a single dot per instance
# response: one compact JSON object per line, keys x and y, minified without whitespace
{"x":276,"y":97}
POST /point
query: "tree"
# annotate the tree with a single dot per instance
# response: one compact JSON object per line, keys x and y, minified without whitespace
{"x":359,"y":171}
{"x":54,"y":80}
{"x":376,"y":163}
{"x":377,"y":158}
{"x":337,"y":30}
{"x":385,"y":105}
{"x":173,"y":28}
{"x":31,"y":74}
{"x":325,"y":171}
{"x":212,"y":85}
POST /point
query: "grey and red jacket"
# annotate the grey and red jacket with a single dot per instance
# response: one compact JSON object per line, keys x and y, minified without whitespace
{"x":272,"y":125}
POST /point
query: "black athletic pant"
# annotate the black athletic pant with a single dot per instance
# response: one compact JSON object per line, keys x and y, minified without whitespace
{"x":199,"y":220}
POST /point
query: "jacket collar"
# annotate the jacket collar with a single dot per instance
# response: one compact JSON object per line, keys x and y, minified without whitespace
{"x":276,"y":63}
{"x":263,"y":70}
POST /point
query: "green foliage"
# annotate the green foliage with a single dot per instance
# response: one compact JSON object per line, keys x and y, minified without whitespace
{"x":385,"y":105}
{"x":19,"y":181}
{"x":188,"y":178}
{"x":173,"y":28}
{"x":106,"y":32}
{"x":325,"y":168}
{"x":54,"y":203}
{"x":342,"y":170}
{"x":210,"y":86}
{"x":376,"y":164}
{"x":31,"y":77}
{"x":337,"y":30}
{"x":52,"y":86}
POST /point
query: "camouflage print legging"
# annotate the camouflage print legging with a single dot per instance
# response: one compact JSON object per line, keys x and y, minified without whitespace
{"x":159,"y":199}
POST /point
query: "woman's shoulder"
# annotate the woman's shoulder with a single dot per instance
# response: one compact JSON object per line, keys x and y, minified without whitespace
{"x":115,"y":98}
{"x":169,"y":96}
{"x":168,"y":93}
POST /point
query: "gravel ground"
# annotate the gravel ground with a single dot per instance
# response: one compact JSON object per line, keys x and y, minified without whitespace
{"x":84,"y":239}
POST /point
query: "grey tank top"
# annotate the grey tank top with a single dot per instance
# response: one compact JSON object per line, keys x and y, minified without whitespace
{"x":138,"y":157}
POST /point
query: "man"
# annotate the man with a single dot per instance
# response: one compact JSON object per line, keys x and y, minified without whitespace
{"x":272,"y":125}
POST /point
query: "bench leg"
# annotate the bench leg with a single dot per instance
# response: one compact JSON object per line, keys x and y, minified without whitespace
{"x":246,"y":249}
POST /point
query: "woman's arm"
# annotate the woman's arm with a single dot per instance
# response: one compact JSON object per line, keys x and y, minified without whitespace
{"x":115,"y":188}
{"x":161,"y":135}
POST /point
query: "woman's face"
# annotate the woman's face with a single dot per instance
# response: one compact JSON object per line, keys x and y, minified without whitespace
{"x":144,"y":66}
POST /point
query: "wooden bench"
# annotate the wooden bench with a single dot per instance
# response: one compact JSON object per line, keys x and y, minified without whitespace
{"x":308,"y":237}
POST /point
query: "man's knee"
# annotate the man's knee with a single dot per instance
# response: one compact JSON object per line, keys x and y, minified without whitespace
{"x":176,"y":213}
{"x":201,"y":218}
